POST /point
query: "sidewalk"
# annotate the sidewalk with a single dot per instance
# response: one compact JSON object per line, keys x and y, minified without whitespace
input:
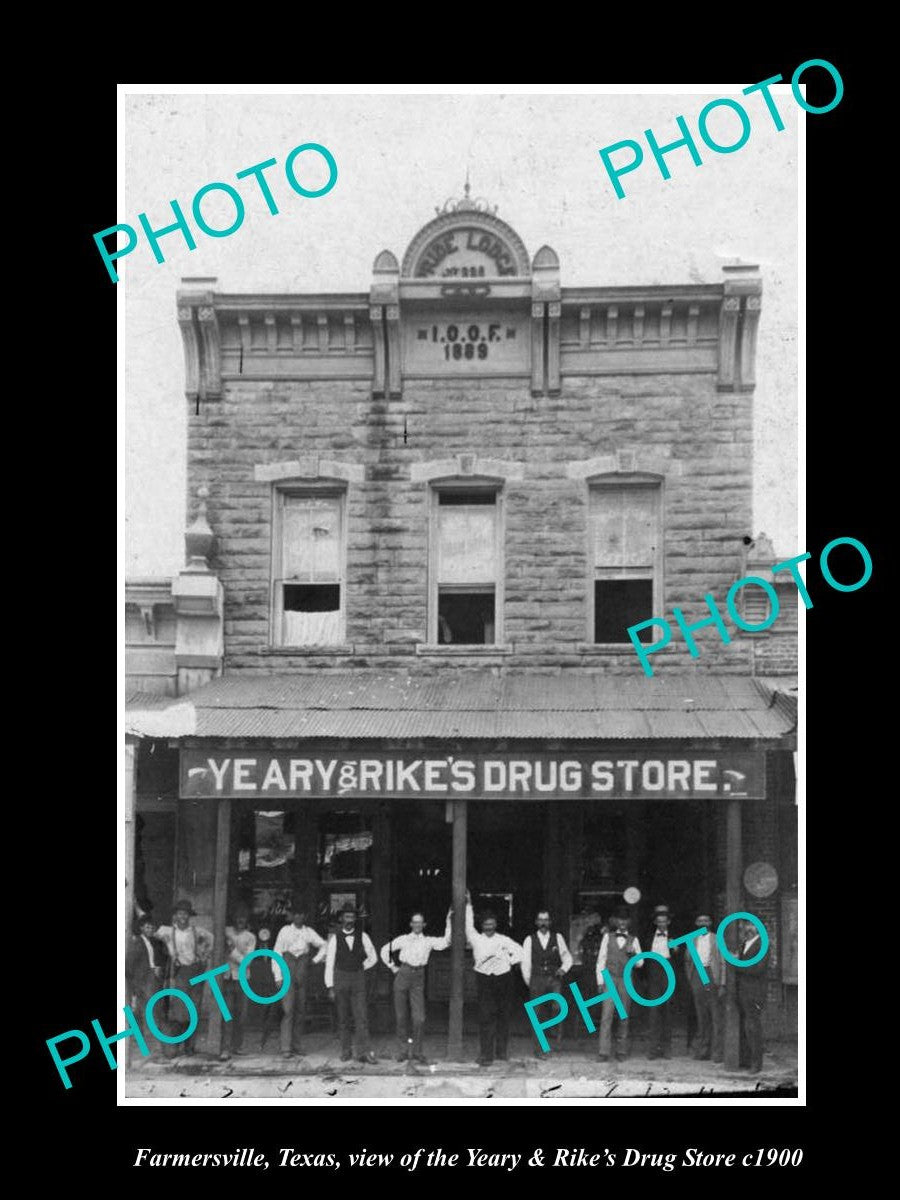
{"x":571,"y":1072}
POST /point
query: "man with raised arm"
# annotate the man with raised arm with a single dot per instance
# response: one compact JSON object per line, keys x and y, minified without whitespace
{"x":413,"y":950}
{"x":495,"y":955}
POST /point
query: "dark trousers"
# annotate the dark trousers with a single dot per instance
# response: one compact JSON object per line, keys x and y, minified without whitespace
{"x":293,"y":1004}
{"x":609,"y":1016}
{"x":236,"y":1003}
{"x":493,"y":1015}
{"x":409,"y":1001}
{"x":540,"y":985}
{"x":750,"y":1006}
{"x":350,"y":999}
{"x":709,"y":1037}
{"x":143,"y":991}
{"x":652,"y":985}
{"x":178,"y":1014}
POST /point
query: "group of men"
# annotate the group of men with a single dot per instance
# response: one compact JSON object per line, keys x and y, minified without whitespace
{"x":173,"y":954}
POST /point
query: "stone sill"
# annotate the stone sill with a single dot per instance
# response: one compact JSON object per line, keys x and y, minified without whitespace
{"x":452,"y":651}
{"x":605,"y":648}
{"x":298,"y":651}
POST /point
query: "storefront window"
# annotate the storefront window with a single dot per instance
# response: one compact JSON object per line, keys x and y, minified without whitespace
{"x":603,"y":854}
{"x":266,"y":865}
{"x":345,"y":848}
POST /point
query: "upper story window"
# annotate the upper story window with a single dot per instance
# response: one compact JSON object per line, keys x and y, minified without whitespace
{"x":465,"y":600}
{"x":308,"y":603}
{"x":626,"y":549}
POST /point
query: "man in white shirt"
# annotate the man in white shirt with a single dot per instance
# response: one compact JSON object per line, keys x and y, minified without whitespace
{"x":189,"y":948}
{"x":239,"y":942}
{"x":413,"y":950}
{"x":495,"y":954}
{"x":545,"y":961}
{"x":707,"y":997}
{"x":616,"y":947}
{"x":348,"y":956}
{"x":295,"y":943}
{"x":655,"y":982}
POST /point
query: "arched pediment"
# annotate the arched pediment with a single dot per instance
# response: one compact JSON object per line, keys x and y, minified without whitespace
{"x":464,"y":242}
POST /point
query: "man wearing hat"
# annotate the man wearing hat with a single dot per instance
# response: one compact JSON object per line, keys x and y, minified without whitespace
{"x":348,"y":955}
{"x":145,"y":966}
{"x":655,"y":982}
{"x":750,"y":992}
{"x":189,"y":948}
{"x":616,"y":948}
{"x":707,"y":996}
{"x":295,"y":943}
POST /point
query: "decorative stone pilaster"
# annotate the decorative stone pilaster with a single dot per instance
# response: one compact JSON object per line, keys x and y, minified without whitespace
{"x":212,"y":354}
{"x":545,"y":312}
{"x":738,"y":324}
{"x":198,"y":598}
{"x":384,"y":299}
{"x":191,"y":351}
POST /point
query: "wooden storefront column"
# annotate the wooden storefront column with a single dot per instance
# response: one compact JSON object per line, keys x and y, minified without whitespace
{"x":220,"y":914}
{"x":380,"y":898}
{"x":130,"y":756}
{"x":553,"y":894}
{"x":458,"y":944}
{"x":733,"y":904}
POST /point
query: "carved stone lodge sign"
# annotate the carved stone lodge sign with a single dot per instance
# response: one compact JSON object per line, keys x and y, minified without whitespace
{"x":466,"y":253}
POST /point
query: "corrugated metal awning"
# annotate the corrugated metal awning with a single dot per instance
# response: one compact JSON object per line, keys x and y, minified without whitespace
{"x":579,"y":705}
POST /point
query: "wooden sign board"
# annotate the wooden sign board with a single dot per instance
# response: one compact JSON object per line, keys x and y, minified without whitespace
{"x":503,"y":776}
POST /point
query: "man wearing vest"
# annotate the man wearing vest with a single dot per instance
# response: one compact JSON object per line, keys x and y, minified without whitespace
{"x":707,"y":997}
{"x":616,"y":947}
{"x":545,"y":960}
{"x":413,"y":949}
{"x":750,"y":993}
{"x":189,"y":949}
{"x":655,"y":982}
{"x":349,"y":955}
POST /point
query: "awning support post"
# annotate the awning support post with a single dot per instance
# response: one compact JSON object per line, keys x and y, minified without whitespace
{"x":220,"y":912}
{"x":732,"y":1045}
{"x":458,"y":944}
{"x":130,"y":756}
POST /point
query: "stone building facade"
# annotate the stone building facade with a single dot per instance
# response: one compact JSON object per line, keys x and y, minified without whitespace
{"x":422,"y":518}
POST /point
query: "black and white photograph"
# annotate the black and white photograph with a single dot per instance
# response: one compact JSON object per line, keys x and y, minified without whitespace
{"x":463,"y":569}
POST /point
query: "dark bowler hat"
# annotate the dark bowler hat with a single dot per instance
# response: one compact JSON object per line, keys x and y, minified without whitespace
{"x":704,"y":919}
{"x":183,"y":906}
